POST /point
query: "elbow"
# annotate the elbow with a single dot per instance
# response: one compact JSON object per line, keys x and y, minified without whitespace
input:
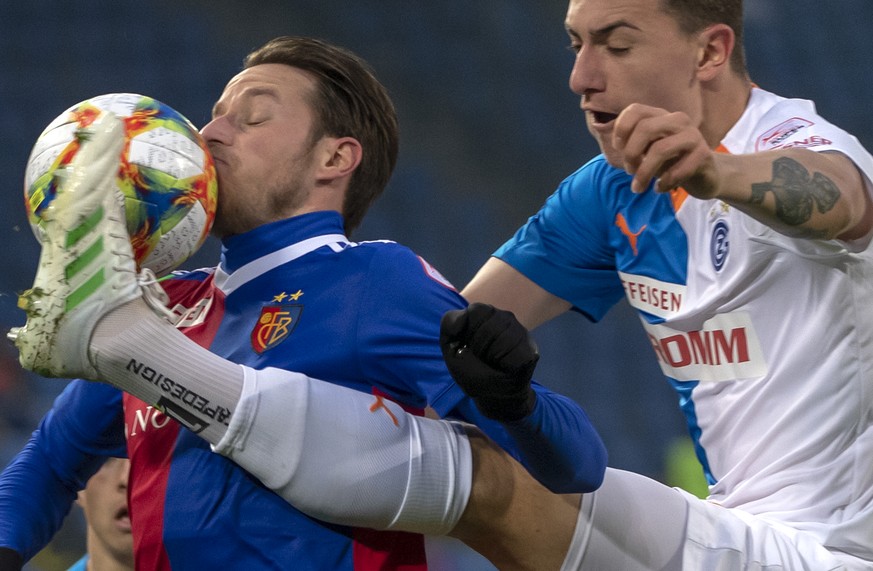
{"x":843,"y":222}
{"x":852,"y":215}
{"x":583,"y":478}
{"x":859,"y":221}
{"x":596,"y":470}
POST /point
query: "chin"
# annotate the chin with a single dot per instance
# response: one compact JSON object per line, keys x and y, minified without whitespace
{"x":613,"y":157}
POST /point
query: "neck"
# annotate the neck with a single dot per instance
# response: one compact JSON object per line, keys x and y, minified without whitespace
{"x":723,"y":105}
{"x":102,"y":558}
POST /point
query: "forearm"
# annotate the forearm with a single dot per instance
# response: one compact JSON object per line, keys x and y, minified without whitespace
{"x":559,"y":446}
{"x":39,"y":486}
{"x":797,"y":192}
{"x":499,"y":284}
{"x":33,"y":502}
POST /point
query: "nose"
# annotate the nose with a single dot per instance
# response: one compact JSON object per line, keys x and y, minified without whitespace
{"x":216,"y":131}
{"x":587,"y":74}
{"x":123,"y":472}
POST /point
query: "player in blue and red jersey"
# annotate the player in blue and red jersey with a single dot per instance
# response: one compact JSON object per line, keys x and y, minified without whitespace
{"x":304,"y":139}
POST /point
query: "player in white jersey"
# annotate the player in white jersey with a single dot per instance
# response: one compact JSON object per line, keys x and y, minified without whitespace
{"x":752,"y":280}
{"x":738,"y":224}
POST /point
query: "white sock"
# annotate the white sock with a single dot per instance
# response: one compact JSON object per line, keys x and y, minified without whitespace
{"x":144,"y":355}
{"x":347,"y":457}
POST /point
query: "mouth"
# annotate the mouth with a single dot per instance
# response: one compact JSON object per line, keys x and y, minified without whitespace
{"x":122,"y":519}
{"x":601,"y":119}
{"x":216,"y":153}
{"x":217,"y":159}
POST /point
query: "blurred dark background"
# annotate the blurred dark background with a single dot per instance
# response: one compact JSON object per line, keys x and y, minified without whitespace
{"x":488,"y":125}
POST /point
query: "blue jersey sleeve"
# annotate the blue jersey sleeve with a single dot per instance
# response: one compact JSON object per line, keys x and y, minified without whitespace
{"x":559,"y":445}
{"x":37,"y":489}
{"x":564,"y":248}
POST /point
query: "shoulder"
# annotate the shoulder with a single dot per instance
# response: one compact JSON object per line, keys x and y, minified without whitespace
{"x":773,"y":122}
{"x":789,"y":123}
{"x":596,"y":174}
{"x":587,"y":197}
{"x":388,"y":261}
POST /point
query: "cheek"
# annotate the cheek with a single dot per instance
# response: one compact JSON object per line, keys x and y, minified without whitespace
{"x":664,"y":89}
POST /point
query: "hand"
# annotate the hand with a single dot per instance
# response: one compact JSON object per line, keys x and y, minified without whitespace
{"x":667,"y":147}
{"x":492,"y":358}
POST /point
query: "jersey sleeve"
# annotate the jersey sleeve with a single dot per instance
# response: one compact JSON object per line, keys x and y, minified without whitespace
{"x":564,"y":248}
{"x":559,"y":445}
{"x":556,"y":443}
{"x":84,"y":427}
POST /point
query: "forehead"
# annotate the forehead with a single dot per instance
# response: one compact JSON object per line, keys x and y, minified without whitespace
{"x":284,"y":83}
{"x":587,"y":16}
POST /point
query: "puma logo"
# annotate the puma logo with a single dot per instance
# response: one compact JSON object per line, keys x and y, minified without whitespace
{"x":625,"y":229}
{"x":380,"y":403}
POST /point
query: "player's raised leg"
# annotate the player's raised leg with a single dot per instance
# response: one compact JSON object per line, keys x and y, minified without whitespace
{"x":510,"y":518}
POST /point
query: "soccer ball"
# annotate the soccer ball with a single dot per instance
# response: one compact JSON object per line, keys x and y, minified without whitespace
{"x":166,"y":175}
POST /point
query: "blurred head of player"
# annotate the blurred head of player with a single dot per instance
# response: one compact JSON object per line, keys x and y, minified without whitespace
{"x":304,"y":127}
{"x":104,"y":501}
{"x":677,"y":55}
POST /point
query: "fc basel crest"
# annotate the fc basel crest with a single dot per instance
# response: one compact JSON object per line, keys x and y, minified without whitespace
{"x":274,"y":325}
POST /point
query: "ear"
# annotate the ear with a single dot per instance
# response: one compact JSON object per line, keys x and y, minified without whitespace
{"x":341,"y":157}
{"x":716,"y":46}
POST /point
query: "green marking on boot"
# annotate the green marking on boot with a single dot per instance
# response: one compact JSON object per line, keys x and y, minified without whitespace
{"x":86,"y":226}
{"x":86,"y":258}
{"x":82,"y":292}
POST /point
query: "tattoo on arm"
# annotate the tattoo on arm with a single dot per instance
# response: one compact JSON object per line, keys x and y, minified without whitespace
{"x":795,"y":191}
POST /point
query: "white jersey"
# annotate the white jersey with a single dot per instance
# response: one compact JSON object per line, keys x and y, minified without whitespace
{"x":767,"y":339}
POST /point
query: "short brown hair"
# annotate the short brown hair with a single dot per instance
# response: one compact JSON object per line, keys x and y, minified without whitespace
{"x":694,"y":15}
{"x":349,"y":102}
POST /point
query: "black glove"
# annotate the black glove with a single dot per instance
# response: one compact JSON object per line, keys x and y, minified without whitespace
{"x":492,"y":358}
{"x":10,"y":560}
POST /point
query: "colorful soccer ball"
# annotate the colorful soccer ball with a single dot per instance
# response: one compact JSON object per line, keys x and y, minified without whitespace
{"x":165,"y":172}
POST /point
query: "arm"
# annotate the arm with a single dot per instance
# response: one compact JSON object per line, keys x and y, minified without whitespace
{"x":499,"y":284}
{"x":558,"y":430}
{"x":39,"y":486}
{"x":492,"y":358}
{"x":556,"y":442}
{"x":795,"y":191}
